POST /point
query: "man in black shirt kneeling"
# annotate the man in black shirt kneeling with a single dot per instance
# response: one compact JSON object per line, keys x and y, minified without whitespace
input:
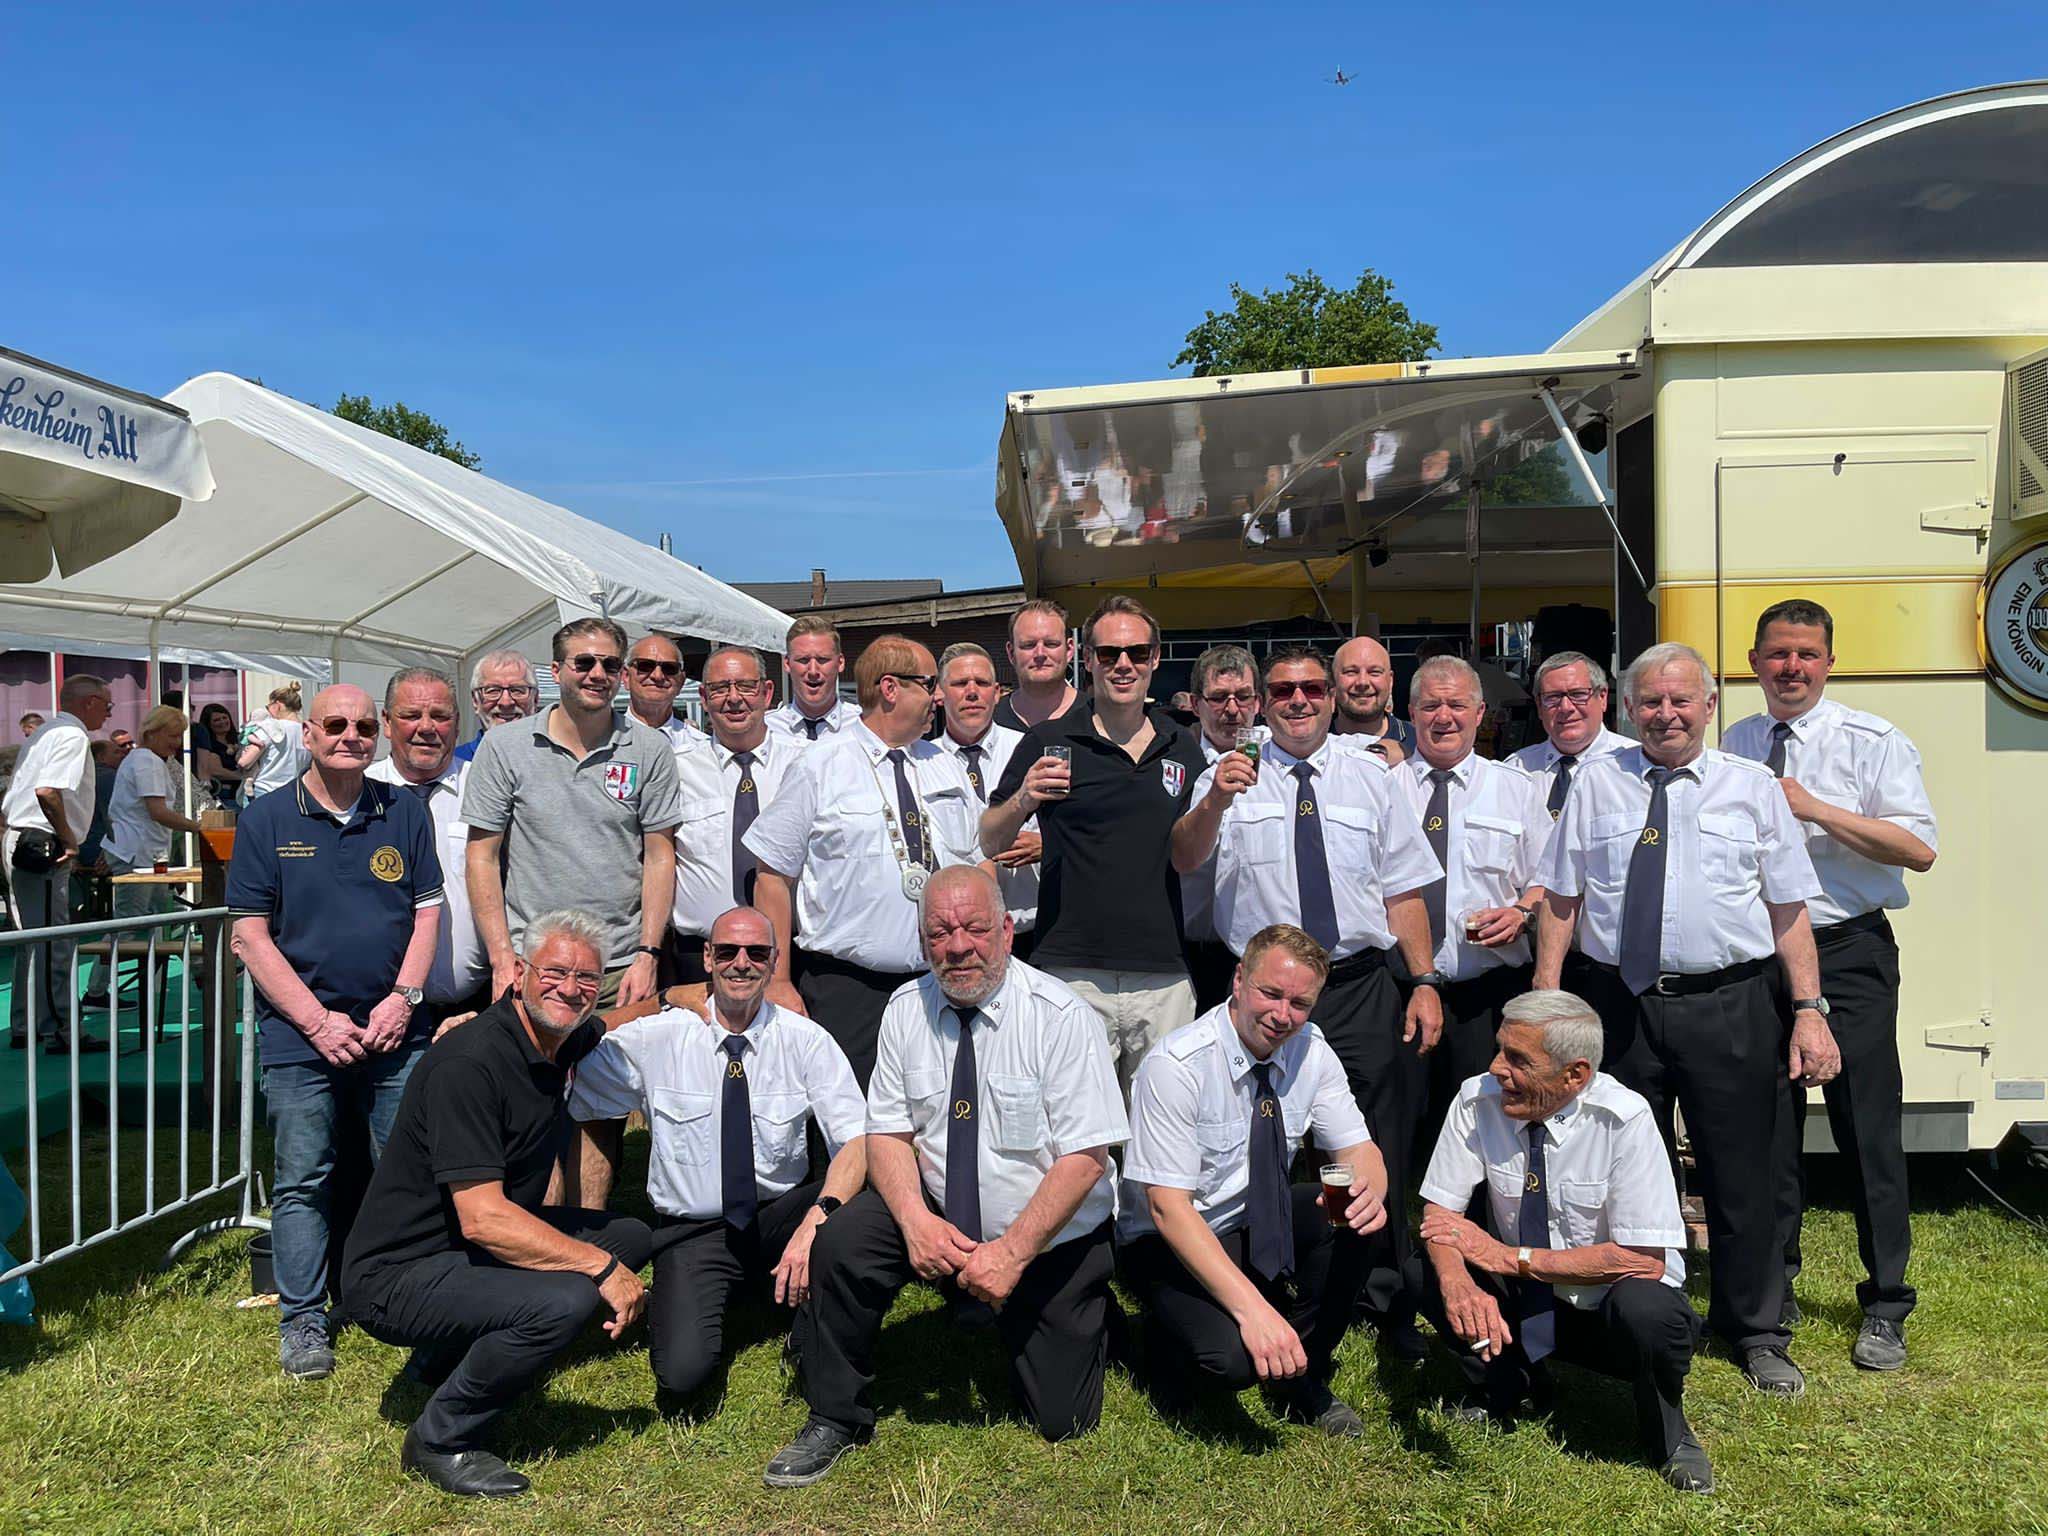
{"x":457,"y":1251}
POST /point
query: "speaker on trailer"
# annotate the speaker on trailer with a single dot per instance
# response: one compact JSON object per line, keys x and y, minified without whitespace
{"x":1574,"y":627}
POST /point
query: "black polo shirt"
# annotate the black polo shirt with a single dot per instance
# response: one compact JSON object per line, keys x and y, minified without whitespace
{"x":1005,"y":713}
{"x":1108,"y":897}
{"x":481,"y":1104}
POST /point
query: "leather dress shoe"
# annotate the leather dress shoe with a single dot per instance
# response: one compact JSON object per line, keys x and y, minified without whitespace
{"x":1687,"y":1468}
{"x":1771,"y":1370}
{"x":466,"y":1474}
{"x":1880,"y":1345}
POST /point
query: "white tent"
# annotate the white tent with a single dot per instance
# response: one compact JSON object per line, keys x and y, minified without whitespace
{"x":326,"y":538}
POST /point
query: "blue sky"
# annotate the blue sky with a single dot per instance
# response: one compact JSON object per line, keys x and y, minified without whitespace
{"x":759,"y":277}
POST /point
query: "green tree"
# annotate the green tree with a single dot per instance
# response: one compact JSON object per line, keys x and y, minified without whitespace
{"x":401,"y":421}
{"x":1307,"y":324}
{"x":1541,"y":480}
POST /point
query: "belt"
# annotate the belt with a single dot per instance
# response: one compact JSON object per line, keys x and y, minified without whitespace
{"x":1690,"y":983}
{"x":1359,"y":963}
{"x":1870,"y":922}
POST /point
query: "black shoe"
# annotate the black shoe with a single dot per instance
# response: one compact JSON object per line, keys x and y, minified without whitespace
{"x":1880,"y":1345}
{"x":466,"y":1474}
{"x":1333,"y":1417}
{"x":1405,"y":1342}
{"x":1771,"y":1370}
{"x":814,"y":1452}
{"x":58,"y":1045}
{"x":17,"y":1039}
{"x":1688,"y":1469}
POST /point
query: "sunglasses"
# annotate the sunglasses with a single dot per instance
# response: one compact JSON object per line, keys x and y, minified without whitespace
{"x":928,"y":681}
{"x":337,"y":725}
{"x":645,"y":666}
{"x":1218,"y":700}
{"x":725,"y":954}
{"x":1315,"y":693}
{"x":1110,"y":655}
{"x":588,"y":662}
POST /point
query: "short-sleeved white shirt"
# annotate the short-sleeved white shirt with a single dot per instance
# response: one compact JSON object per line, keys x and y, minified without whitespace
{"x":1733,"y":846}
{"x":711,"y":779}
{"x":671,"y":1067}
{"x":1046,"y":1080}
{"x":59,"y":757}
{"x":134,"y":837}
{"x":829,"y":828}
{"x":787,"y":720}
{"x":1497,"y":831}
{"x":1373,"y":852}
{"x":1539,"y":760}
{"x":1857,"y":762}
{"x":1198,"y":890}
{"x":1610,"y":1180}
{"x":284,"y":754}
{"x":461,"y":962}
{"x":1020,"y":885}
{"x":1191,"y":1116}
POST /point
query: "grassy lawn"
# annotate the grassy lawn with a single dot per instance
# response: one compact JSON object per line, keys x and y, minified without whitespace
{"x":147,"y":1402}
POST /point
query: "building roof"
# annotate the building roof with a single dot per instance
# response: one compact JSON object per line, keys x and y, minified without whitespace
{"x":801,"y":596}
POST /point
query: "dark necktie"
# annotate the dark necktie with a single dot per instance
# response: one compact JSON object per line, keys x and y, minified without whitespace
{"x":1781,"y":732}
{"x":1269,"y":1202}
{"x":963,"y":1155}
{"x":1538,"y":1299}
{"x":906,"y":806}
{"x":746,"y":805}
{"x":738,"y":1194}
{"x":973,"y":758}
{"x":1436,"y":826}
{"x":812,"y":727}
{"x":1560,"y":784}
{"x":1642,"y":898}
{"x":1312,"y":863}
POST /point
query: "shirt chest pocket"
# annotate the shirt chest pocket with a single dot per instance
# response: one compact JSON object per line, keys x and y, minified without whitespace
{"x":779,"y":1127}
{"x":1728,"y":849}
{"x":1016,"y":1107}
{"x":856,"y":828}
{"x":953,"y":830}
{"x":1258,"y":835}
{"x":921,"y":1091}
{"x":1610,"y":841}
{"x":1221,"y":1145}
{"x":1490,"y":844}
{"x":681,"y":1126}
{"x":1583,"y":1202}
{"x":1351,"y":835}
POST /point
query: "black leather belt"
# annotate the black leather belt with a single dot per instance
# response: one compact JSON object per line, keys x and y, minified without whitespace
{"x":1358,"y":964}
{"x":1690,"y":983}
{"x":1849,"y":927}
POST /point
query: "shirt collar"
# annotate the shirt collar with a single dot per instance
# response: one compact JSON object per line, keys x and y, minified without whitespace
{"x":945,"y":742}
{"x":622,"y":727}
{"x":1319,"y":759}
{"x":995,"y":1007}
{"x":1461,"y":772}
{"x":386,"y":771}
{"x":371,"y":802}
{"x":1804,"y":726}
{"x":1240,"y":1061}
{"x":725,"y":755}
{"x":1637,"y":763}
{"x":756,"y":1032}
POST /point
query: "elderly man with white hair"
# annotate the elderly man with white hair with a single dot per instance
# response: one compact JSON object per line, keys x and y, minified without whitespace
{"x":1582,"y":1262}
{"x":1686,"y":878}
{"x":502,"y":688}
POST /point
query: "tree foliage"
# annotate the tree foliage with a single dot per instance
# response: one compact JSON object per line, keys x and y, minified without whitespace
{"x":401,"y":421}
{"x":1307,"y":324}
{"x":1541,"y":480}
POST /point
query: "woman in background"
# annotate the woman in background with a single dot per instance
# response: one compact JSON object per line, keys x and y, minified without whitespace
{"x":273,"y":751}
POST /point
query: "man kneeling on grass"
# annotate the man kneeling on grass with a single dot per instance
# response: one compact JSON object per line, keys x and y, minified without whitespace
{"x":457,"y":1252}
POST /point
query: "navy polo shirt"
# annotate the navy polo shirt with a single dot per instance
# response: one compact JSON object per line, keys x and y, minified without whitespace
{"x":340,"y":897}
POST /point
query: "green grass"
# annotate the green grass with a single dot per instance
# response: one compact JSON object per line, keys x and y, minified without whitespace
{"x":147,"y":1402}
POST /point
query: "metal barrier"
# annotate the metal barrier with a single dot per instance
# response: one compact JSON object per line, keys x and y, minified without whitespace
{"x":149,"y":941}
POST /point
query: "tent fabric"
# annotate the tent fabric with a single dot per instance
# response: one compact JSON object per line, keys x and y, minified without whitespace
{"x":326,"y":537}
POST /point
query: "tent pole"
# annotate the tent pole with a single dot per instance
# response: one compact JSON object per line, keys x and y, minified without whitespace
{"x":1472,"y":554}
{"x":1570,"y":440}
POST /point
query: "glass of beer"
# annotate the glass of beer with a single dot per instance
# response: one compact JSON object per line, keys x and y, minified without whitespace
{"x":1336,"y":1192}
{"x":1473,"y":924}
{"x":1064,"y":754}
{"x":1249,"y":739}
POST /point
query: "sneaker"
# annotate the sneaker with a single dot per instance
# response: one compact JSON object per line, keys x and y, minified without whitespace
{"x":814,"y":1452}
{"x":303,"y":1350}
{"x":1880,"y":1345}
{"x":1771,"y":1370}
{"x":1688,"y":1469}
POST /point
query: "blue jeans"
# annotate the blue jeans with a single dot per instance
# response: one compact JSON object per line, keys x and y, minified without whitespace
{"x":314,"y":1108}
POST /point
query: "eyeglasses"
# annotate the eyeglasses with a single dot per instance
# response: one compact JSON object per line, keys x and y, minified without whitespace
{"x":928,"y":681}
{"x":490,"y":693}
{"x":1579,"y":696}
{"x":647,"y":666}
{"x":337,"y":725}
{"x":1315,"y":693}
{"x":725,"y":954}
{"x":587,"y":661}
{"x":740,"y":689}
{"x":1243,"y":697}
{"x":556,"y":976}
{"x":1110,"y":655}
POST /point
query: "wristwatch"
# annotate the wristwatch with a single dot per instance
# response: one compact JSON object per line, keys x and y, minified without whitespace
{"x":412,"y":995}
{"x":647,"y":949}
{"x":1431,"y":979}
{"x":828,"y":1203}
{"x":1818,"y":1004}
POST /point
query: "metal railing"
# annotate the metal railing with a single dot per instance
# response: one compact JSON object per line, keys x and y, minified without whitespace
{"x":148,"y":942}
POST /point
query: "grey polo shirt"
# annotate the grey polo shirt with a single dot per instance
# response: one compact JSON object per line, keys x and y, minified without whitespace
{"x":573,"y":829}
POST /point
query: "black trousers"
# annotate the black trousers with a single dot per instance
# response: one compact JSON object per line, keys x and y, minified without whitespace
{"x":698,"y":1264}
{"x":1191,"y":1343}
{"x":847,"y":1001}
{"x":1643,"y":1332}
{"x":1210,"y":967}
{"x":1719,"y":1055}
{"x":498,"y":1326}
{"x":1471,"y":1021}
{"x":1360,"y":1014}
{"x":1859,"y":974}
{"x":1054,"y":1326}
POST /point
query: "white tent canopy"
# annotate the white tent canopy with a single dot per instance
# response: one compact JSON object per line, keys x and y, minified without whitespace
{"x":327,"y":538}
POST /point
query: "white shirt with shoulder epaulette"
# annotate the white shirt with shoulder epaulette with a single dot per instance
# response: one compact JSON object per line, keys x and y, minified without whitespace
{"x":1733,"y":845}
{"x":1610,"y":1180}
{"x":1539,"y":760}
{"x":787,"y":720}
{"x":1019,"y":885}
{"x":1191,"y":1116}
{"x":1857,"y":762}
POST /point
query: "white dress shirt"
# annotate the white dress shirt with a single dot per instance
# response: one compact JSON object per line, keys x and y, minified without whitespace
{"x":461,"y":963}
{"x":671,"y":1067}
{"x":1498,"y":830}
{"x":1856,"y":762}
{"x":682,"y":735}
{"x":1373,"y":852}
{"x":1198,"y":890}
{"x":1610,"y":1180}
{"x":1539,"y":760}
{"x":1733,"y":846}
{"x":787,"y":719}
{"x":1046,"y":1082}
{"x":1020,"y":885}
{"x":59,"y":757}
{"x":830,"y":828}
{"x":710,"y":779}
{"x":1191,"y":1116}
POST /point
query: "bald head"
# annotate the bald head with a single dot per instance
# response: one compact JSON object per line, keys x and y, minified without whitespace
{"x":347,"y":752}
{"x":1365,"y":685}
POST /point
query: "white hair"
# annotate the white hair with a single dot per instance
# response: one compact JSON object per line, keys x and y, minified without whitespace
{"x":1557,"y":661}
{"x":1669,"y":654}
{"x":500,"y":659}
{"x":1571,"y":1029}
{"x":1448,"y":666}
{"x":567,"y":923}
